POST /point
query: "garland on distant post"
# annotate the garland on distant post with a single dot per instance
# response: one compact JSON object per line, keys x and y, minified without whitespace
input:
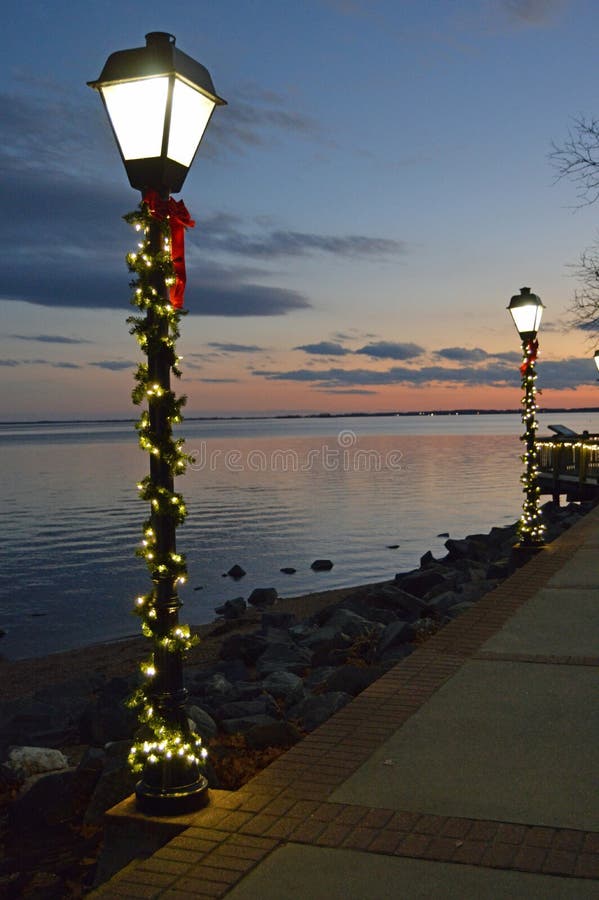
{"x":530,"y":527}
{"x":163,"y":741}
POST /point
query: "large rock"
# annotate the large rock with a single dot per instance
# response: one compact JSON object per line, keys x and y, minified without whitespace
{"x":317,"y":678}
{"x":261,"y":597}
{"x":394,"y":634}
{"x":352,"y":679}
{"x":474,"y":546}
{"x":500,"y":569}
{"x":284,"y":686}
{"x":240,"y":709}
{"x":313,"y":711}
{"x":276,"y":734}
{"x":215,"y":687}
{"x":30,"y":721}
{"x":326,"y":638}
{"x":421,"y":581}
{"x":276,"y":619}
{"x":50,"y":802}
{"x":233,"y":670}
{"x":115,"y":783}
{"x":322,"y":565}
{"x":367,"y":608}
{"x":244,"y":724}
{"x":283,"y":658}
{"x":232,"y":609}
{"x":247,"y":647}
{"x":104,"y":722}
{"x":437,"y":606}
{"x":249,"y":690}
{"x":202,"y":722}
{"x":350,"y":623}
{"x":393,"y":597}
{"x":27,"y":761}
{"x":458,"y":608}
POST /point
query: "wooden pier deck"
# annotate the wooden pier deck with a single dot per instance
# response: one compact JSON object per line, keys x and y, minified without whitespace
{"x":569,"y":464}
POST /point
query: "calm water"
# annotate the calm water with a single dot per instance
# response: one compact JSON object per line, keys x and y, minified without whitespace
{"x":263,"y":493}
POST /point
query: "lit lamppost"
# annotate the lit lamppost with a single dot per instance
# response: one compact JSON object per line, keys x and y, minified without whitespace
{"x":526,"y":310}
{"x":159,"y":102}
{"x":596,"y":358}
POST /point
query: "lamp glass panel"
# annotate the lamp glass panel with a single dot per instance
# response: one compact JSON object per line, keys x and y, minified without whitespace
{"x":527,"y":317}
{"x":136,"y":110}
{"x":190,"y":113}
{"x":596,"y":358}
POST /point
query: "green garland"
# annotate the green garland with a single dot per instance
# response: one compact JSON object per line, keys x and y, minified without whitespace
{"x":163,"y":742}
{"x":531,"y":529}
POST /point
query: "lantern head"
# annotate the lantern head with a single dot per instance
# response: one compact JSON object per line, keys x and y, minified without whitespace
{"x":159,"y":102}
{"x":526,"y":310}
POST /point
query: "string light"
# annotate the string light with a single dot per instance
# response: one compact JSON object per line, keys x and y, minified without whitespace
{"x":162,"y":742}
{"x":531,"y":529}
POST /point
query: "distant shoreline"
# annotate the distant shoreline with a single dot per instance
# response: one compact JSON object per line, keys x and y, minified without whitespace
{"x":544,"y":410}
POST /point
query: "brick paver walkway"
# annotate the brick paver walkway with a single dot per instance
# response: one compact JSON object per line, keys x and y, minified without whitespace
{"x":289,"y":801}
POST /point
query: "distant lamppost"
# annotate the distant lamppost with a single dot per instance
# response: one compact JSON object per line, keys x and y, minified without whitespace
{"x":526,"y":310}
{"x":159,"y":102}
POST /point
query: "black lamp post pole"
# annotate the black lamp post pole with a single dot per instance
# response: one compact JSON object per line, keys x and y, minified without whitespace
{"x":175,"y":784}
{"x":531,"y":523}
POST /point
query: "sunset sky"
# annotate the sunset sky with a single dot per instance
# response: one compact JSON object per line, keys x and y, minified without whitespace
{"x":376,"y":189}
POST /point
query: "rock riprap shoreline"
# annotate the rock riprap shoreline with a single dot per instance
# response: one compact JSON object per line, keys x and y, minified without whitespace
{"x":273,"y":677}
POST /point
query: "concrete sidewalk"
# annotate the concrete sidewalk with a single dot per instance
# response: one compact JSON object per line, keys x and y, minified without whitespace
{"x":470,"y":770}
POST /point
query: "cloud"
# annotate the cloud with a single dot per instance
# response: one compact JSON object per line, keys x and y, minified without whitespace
{"x":581,"y":326}
{"x":476,"y":355}
{"x":462,"y":354}
{"x":558,"y":375}
{"x":243,"y":300}
{"x":218,"y":380}
{"x":226,"y":232}
{"x":391,"y":350}
{"x":52,"y":130}
{"x":563,"y":374}
{"x":235,"y":348}
{"x":114,"y":365}
{"x":256,"y":117}
{"x":39,"y":362}
{"x":48,"y":338}
{"x":532,"y":12}
{"x":324,"y":348}
{"x":358,"y":392}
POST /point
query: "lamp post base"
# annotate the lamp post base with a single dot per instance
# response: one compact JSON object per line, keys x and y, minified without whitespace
{"x":522,"y":553}
{"x":171,"y":802}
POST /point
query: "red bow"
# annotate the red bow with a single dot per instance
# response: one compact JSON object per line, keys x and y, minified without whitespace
{"x":179,"y":219}
{"x":531,"y":351}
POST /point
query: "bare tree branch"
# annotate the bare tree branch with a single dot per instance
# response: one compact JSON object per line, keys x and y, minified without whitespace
{"x":584,"y":308}
{"x":578,"y":159}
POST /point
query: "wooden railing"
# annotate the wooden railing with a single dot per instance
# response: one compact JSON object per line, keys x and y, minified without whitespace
{"x":569,"y":465}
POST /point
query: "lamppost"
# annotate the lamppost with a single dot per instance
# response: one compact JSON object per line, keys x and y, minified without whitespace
{"x":596,"y":358}
{"x":159,"y":102}
{"x":526,"y":310}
